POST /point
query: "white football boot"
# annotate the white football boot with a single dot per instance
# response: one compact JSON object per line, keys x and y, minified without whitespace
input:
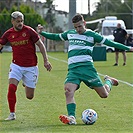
{"x":12,"y":116}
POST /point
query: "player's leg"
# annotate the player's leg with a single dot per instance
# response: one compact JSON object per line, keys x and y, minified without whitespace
{"x":70,"y":89}
{"x":124,"y":57}
{"x":13,"y":83}
{"x":116,"y":57}
{"x":30,"y":78}
{"x":92,"y":80}
{"x":14,"y":78}
{"x":11,"y":96}
{"x":72,"y":83}
{"x":103,"y":91}
{"x":29,"y":92}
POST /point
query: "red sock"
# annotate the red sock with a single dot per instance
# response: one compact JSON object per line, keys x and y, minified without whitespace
{"x":12,"y":97}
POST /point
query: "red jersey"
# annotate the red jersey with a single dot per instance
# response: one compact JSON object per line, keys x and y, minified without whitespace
{"x":23,"y":45}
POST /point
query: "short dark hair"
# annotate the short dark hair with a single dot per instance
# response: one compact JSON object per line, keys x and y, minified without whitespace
{"x":77,"y":18}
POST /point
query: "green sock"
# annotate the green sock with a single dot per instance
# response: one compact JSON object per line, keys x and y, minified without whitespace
{"x":109,"y":83}
{"x":71,"y":109}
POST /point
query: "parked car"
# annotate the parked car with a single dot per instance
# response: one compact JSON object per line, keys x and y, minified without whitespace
{"x":108,"y":26}
{"x":130,"y":37}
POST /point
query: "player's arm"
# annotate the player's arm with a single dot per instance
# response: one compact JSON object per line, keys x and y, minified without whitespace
{"x":116,"y":45}
{"x":42,"y":48}
{"x":3,"y":40}
{"x":100,"y":39}
{"x":51,"y":36}
{"x":1,"y":46}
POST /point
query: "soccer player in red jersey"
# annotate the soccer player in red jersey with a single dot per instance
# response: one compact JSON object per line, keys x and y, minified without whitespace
{"x":23,"y":40}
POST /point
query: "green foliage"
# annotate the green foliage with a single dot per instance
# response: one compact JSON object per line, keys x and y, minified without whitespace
{"x":4,"y":20}
{"x":31,"y":17}
{"x":50,"y":16}
{"x":118,"y":8}
{"x":126,"y":10}
{"x":40,"y":115}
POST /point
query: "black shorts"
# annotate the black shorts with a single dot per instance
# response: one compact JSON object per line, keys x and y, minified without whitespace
{"x":119,"y":50}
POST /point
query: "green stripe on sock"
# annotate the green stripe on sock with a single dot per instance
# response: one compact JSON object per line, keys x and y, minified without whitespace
{"x":71,"y":109}
{"x":109,"y":83}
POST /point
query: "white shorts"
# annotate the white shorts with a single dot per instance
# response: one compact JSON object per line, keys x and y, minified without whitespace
{"x":29,"y":75}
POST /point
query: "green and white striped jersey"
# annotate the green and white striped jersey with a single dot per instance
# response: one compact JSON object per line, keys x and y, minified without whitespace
{"x":81,"y":45}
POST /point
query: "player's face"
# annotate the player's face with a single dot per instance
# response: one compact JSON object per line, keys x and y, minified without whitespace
{"x":118,"y":25}
{"x":80,"y":27}
{"x":18,"y":23}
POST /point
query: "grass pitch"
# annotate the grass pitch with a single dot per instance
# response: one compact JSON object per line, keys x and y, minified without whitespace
{"x":40,"y":115}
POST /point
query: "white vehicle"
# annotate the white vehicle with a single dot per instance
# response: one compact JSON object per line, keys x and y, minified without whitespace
{"x":130,"y":37}
{"x":129,"y":31}
{"x":108,"y":26}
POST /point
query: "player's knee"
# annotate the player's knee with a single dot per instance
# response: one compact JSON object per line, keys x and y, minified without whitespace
{"x":104,"y":96}
{"x":67,"y":91}
{"x":29,"y":93}
{"x":12,"y":88}
{"x":30,"y":97}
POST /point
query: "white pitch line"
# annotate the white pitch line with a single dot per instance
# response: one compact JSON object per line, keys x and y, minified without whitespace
{"x":58,"y":59}
{"x":124,"y":82}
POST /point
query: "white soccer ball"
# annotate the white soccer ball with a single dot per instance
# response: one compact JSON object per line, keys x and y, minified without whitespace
{"x":89,"y":116}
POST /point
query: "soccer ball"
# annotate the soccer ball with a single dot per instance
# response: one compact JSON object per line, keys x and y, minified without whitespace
{"x":89,"y":116}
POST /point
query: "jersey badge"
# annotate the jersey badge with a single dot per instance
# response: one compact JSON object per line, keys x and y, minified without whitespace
{"x":24,"y":34}
{"x":13,"y":36}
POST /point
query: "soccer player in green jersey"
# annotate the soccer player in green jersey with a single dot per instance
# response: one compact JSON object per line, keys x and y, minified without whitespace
{"x":80,"y":63}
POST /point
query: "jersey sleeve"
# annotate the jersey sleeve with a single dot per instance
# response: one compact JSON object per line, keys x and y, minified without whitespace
{"x":63,"y":36}
{"x":98,"y":38}
{"x":51,"y":36}
{"x":34,"y":36}
{"x":116,"y":45}
{"x":55,"y":36}
{"x":3,"y":38}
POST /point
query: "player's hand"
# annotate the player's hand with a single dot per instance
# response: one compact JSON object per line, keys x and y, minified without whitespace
{"x":131,"y":49}
{"x":40,"y":28}
{"x":47,"y":65}
{"x":1,"y":46}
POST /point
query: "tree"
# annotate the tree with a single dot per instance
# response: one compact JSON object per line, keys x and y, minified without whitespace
{"x":119,"y":8}
{"x":5,"y":21}
{"x":31,"y":17}
{"x":50,"y":16}
{"x":9,"y":3}
{"x":107,"y":7}
{"x":124,"y":12}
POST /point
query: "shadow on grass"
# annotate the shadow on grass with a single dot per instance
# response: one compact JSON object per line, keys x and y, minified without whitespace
{"x":26,"y":127}
{"x":8,"y":121}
